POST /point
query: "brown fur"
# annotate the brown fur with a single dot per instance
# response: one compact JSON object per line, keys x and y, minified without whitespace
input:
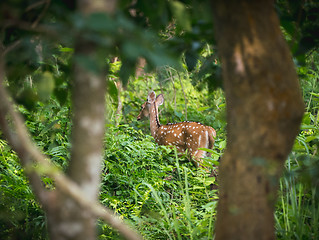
{"x":186,"y":136}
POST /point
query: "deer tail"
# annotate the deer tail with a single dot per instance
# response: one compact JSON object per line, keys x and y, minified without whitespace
{"x":211,"y":136}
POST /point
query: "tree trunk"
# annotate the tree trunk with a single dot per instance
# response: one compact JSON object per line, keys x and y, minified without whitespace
{"x":264,"y":111}
{"x":67,"y":220}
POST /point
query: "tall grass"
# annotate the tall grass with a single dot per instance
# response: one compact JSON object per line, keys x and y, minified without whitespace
{"x":161,"y":194}
{"x":297,"y":215}
{"x":181,"y":218}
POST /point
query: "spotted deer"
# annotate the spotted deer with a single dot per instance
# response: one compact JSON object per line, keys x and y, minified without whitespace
{"x":187,"y":135}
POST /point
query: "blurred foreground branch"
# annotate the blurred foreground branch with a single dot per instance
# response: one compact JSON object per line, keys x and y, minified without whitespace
{"x":36,"y":164}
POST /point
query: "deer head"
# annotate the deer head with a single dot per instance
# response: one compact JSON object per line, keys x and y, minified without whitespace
{"x":151,"y":99}
{"x":186,"y":136}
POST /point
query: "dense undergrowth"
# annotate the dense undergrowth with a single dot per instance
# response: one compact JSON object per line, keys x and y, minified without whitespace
{"x":163,"y":195}
{"x":156,"y":191}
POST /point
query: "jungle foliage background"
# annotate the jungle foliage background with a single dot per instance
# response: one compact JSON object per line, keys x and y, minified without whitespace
{"x":160,"y":194}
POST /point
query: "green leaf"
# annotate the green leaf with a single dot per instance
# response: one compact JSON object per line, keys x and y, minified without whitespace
{"x":62,"y":95}
{"x":210,"y":180}
{"x":209,"y":205}
{"x":306,"y":126}
{"x":222,"y":144}
{"x":314,"y":94}
{"x":310,"y":138}
{"x":191,"y":59}
{"x":207,"y":150}
{"x":202,"y":109}
{"x":127,"y":69}
{"x":178,"y":114}
{"x":45,"y":85}
{"x":86,"y":62}
{"x":223,"y":105}
{"x":66,"y":49}
{"x":306,"y":119}
{"x":27,"y":98}
{"x":112,"y":89}
{"x":101,"y":22}
{"x":132,"y":50}
{"x":181,"y":15}
{"x":289,"y":26}
{"x":49,"y":126}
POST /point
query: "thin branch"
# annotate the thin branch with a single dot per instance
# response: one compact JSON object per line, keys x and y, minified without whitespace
{"x":311,"y":52}
{"x":17,"y":136}
{"x":35,"y":5}
{"x":27,"y":26}
{"x":11,"y":47}
{"x":41,"y":15}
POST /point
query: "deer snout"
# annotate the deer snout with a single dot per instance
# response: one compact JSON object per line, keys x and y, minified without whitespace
{"x":138,"y":118}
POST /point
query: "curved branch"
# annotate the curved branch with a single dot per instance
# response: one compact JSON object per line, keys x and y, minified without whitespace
{"x":35,"y":163}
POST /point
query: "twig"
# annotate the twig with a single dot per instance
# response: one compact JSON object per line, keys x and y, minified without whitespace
{"x":36,"y":22}
{"x":311,"y":52}
{"x":35,"y":5}
{"x":42,"y":29}
{"x":11,"y":47}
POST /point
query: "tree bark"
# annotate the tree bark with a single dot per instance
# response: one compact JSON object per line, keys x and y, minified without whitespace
{"x":36,"y":164}
{"x":67,"y":220}
{"x":264,"y":111}
{"x":72,"y":207}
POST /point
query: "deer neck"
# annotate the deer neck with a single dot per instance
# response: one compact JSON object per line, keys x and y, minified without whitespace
{"x":154,"y":120}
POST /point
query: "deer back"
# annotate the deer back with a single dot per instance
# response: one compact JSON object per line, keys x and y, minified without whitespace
{"x":186,"y":136}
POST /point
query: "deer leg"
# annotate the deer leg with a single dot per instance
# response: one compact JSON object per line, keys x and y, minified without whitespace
{"x":198,"y":157}
{"x":199,"y":154}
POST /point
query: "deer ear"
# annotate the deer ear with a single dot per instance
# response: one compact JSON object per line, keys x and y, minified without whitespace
{"x":151,"y":97}
{"x":160,"y":99}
